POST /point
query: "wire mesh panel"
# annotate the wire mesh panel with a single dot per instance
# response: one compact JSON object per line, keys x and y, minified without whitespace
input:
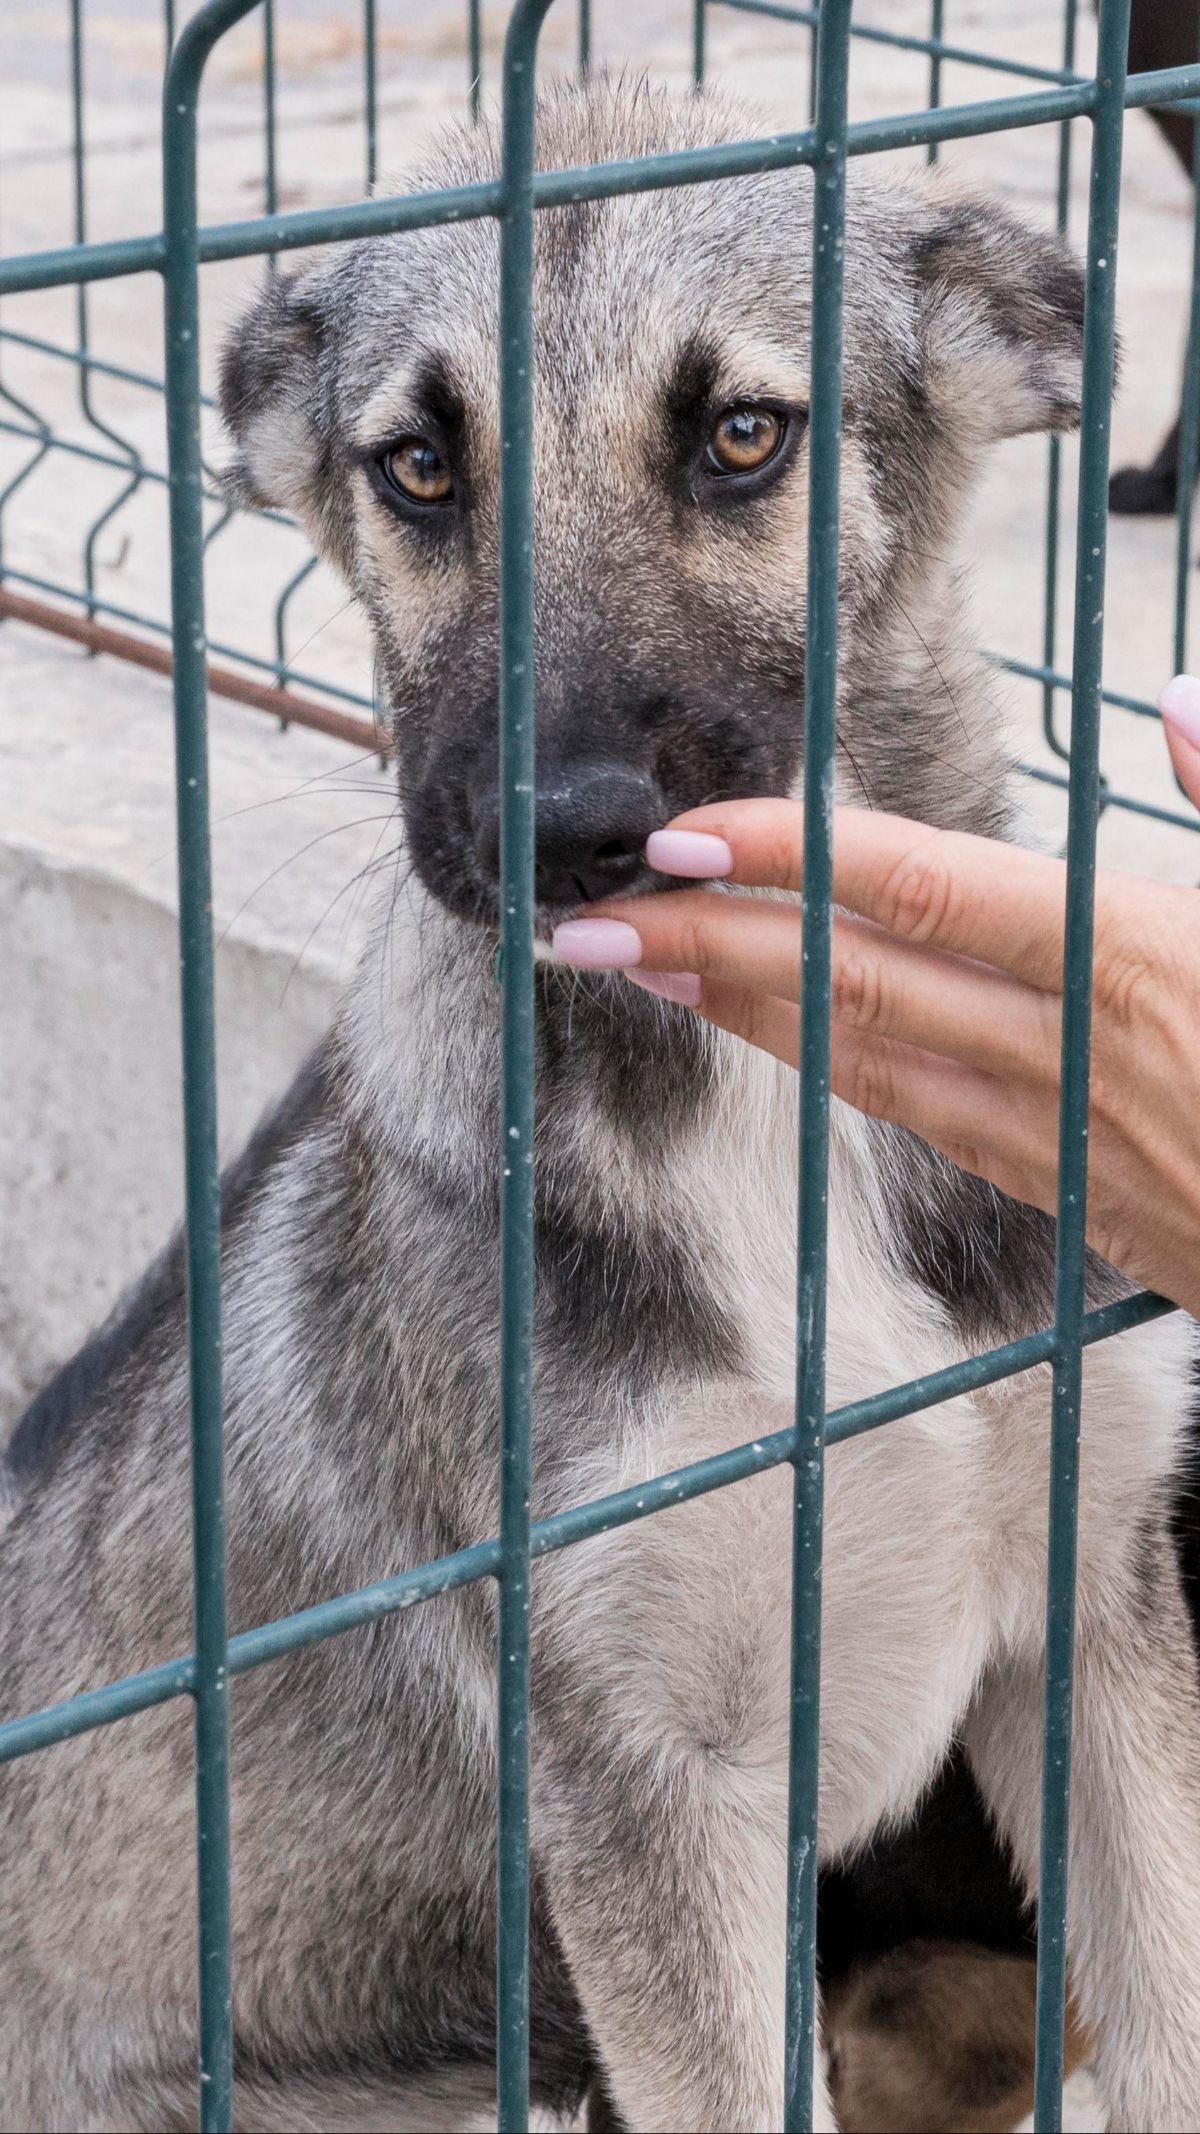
{"x":120,"y":456}
{"x":513,"y":200}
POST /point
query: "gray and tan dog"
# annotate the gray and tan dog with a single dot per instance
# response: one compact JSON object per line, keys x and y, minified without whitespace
{"x":360,"y":1252}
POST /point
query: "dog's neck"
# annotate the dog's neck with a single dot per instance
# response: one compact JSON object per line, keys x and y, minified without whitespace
{"x":620,"y":1077}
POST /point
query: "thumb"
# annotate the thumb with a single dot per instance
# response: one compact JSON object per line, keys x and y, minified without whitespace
{"x":1180,"y":708}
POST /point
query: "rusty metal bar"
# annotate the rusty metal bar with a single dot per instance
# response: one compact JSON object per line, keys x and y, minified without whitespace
{"x":222,"y":681}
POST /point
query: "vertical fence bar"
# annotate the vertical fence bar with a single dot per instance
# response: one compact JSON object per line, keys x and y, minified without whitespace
{"x":474,"y":57}
{"x":1054,"y":465}
{"x":371,"y":90}
{"x":1092,"y":527}
{"x":82,"y":325}
{"x":937,"y":27}
{"x":297,"y":579}
{"x":517,"y":1052}
{"x":270,"y":171}
{"x":699,"y":26}
{"x":202,"y":1182}
{"x":78,"y":153}
{"x":820,"y":721}
{"x":585,"y":35}
{"x":1189,"y":432}
{"x":44,"y":445}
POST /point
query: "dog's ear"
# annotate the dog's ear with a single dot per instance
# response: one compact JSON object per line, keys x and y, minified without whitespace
{"x":273,"y":389}
{"x":1000,"y":319}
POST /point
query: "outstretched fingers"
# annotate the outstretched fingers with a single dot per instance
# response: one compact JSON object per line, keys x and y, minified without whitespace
{"x":880,"y":985}
{"x":937,"y":888}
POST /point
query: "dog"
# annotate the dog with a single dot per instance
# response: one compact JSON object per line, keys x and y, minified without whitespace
{"x":360,"y":1249}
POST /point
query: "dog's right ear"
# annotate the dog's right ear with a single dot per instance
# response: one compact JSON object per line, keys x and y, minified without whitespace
{"x":1000,"y":315}
{"x":273,"y":396}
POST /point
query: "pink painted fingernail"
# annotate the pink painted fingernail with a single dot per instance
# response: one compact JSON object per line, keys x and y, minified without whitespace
{"x":680,"y":986}
{"x":690,"y":852}
{"x":597,"y":944}
{"x":1180,"y":706}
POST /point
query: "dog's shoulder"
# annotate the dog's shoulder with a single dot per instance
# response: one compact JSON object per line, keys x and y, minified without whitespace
{"x":988,"y":1259}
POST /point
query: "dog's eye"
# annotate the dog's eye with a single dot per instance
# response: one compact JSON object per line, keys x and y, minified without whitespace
{"x":743,"y":440}
{"x":417,"y":469}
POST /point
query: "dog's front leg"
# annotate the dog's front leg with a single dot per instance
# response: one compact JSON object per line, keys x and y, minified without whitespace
{"x":667,"y":1891}
{"x":1134,"y":1917}
{"x":660,"y":1826}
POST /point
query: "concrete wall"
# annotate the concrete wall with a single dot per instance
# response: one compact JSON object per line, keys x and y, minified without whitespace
{"x":90,"y":1136}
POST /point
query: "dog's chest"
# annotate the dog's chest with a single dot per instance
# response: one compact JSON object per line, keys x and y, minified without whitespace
{"x":903,"y":1631}
{"x":736,"y":1193}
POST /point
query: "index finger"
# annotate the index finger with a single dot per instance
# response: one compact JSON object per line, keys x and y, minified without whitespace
{"x":942,"y":889}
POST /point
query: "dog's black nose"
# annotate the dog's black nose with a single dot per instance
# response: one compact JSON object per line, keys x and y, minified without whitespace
{"x":593,"y":819}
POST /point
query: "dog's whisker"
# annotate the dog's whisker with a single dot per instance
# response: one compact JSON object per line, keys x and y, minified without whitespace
{"x":311,"y":936}
{"x":934,"y":663}
{"x":311,"y":639}
{"x":847,"y":751}
{"x":321,"y":838}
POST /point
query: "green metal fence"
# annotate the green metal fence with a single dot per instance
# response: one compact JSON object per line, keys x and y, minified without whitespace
{"x":282,"y":678}
{"x":176,"y":253}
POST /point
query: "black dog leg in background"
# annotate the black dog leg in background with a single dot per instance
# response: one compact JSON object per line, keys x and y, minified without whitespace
{"x":1162,"y":33}
{"x":1136,"y":491}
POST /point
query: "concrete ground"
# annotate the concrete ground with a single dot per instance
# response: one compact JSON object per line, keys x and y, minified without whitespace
{"x":89,"y":1138}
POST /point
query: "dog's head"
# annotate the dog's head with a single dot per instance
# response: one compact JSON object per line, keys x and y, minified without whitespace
{"x":672,"y":383}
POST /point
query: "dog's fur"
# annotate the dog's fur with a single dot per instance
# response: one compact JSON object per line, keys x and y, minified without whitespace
{"x":360,"y":1265}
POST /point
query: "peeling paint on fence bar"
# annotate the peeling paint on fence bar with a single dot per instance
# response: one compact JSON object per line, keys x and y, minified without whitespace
{"x":210,"y":1686}
{"x":820,"y":726}
{"x":1099,"y":337}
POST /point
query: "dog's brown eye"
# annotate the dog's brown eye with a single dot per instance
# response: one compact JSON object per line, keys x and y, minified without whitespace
{"x":418,"y":471}
{"x":744,"y":439}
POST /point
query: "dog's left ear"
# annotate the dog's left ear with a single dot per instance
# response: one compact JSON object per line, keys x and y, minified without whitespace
{"x":1000,"y":321}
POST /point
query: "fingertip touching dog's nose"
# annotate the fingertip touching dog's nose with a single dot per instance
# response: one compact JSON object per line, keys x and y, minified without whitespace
{"x":593,"y":819}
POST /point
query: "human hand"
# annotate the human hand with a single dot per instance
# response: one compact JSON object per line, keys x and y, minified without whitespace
{"x":947,"y":996}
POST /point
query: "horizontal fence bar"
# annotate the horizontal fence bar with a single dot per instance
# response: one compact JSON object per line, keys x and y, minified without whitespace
{"x":929,"y":47}
{"x":68,"y":264}
{"x":1031,"y":671}
{"x":93,"y":454}
{"x":222,"y":682}
{"x":83,"y":359}
{"x":1112,"y":799}
{"x":96,"y":606}
{"x":97,"y":1707}
{"x":582,"y":1522}
{"x":562,"y":188}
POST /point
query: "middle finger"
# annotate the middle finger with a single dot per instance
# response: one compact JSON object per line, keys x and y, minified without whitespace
{"x":944,"y":1003}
